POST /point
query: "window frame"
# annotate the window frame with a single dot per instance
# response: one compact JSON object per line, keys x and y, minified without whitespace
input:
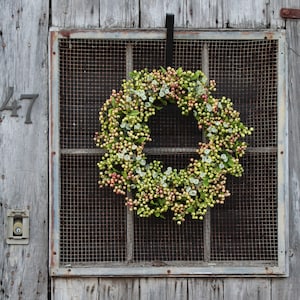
{"x":207,"y":269}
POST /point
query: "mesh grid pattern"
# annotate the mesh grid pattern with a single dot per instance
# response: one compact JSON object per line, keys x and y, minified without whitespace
{"x":148,"y":54}
{"x":93,"y":221}
{"x":187,"y":54}
{"x":245,"y":227}
{"x":89,"y":70}
{"x":162,"y":240}
{"x":246,"y":72}
{"x":165,"y":131}
{"x":166,"y":242}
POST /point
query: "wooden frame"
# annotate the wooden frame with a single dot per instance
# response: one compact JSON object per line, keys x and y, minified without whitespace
{"x":206,"y":269}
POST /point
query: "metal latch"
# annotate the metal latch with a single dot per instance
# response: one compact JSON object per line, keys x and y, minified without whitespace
{"x":290,"y":13}
{"x":17,"y":226}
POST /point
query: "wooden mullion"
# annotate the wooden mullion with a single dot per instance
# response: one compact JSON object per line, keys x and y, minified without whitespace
{"x":207,"y":217}
{"x":129,"y":213}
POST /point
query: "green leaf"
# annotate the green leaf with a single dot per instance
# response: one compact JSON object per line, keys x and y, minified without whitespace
{"x":179,"y":71}
{"x":161,"y":201}
{"x":205,"y":182}
{"x":190,"y":209}
{"x":230,"y":162}
{"x":134,"y":113}
{"x":141,"y":140}
{"x":158,"y":107}
{"x":140,"y":210}
{"x":163,"y":69}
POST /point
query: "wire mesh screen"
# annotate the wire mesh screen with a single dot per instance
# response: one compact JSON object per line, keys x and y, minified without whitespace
{"x":89,"y":70}
{"x":169,"y":134}
{"x":93,"y":220}
{"x":245,"y":227}
{"x":157,"y":240}
{"x":93,"y":225}
{"x":246,"y":72}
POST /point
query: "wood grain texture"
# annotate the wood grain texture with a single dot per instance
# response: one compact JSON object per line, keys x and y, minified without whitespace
{"x":247,"y":288}
{"x":153,"y":13}
{"x":119,"y":13}
{"x":289,"y":288}
{"x":204,"y":14}
{"x":274,"y":7}
{"x":177,"y":288}
{"x":24,"y":147}
{"x":153,"y":288}
{"x":244,"y":14}
{"x":76,"y":289}
{"x":119,"y":289}
{"x":205,"y":289}
{"x":75,"y":13}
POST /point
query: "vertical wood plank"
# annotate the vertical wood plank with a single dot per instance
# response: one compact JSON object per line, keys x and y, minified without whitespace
{"x":119,"y":13}
{"x":153,"y":288}
{"x":244,"y":14}
{"x":204,"y":14}
{"x":206,"y":289}
{"x":119,"y":289}
{"x":177,"y":289}
{"x":247,"y":288}
{"x":289,"y":288}
{"x":23,"y":147}
{"x":76,"y":289}
{"x":153,"y":13}
{"x":274,"y":11}
{"x":75,"y":13}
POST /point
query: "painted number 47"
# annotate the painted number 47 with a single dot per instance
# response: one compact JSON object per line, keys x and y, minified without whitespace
{"x":14,"y":106}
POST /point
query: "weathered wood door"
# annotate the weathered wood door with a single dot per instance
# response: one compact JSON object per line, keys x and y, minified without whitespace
{"x":24,"y":147}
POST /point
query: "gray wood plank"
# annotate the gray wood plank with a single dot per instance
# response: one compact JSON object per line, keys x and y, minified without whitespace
{"x":289,"y":288}
{"x":205,"y":289}
{"x":274,"y":7}
{"x":177,"y":289}
{"x":244,"y":14}
{"x":119,"y":13}
{"x":24,"y":147}
{"x":153,"y":288}
{"x":204,"y":14}
{"x":119,"y":288}
{"x":246,"y":288}
{"x":76,"y":289}
{"x":153,"y":13}
{"x":75,"y":13}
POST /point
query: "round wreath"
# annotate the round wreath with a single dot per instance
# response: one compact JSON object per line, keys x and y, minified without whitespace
{"x":150,"y":187}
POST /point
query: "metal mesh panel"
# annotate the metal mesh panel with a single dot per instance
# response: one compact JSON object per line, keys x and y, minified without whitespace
{"x":245,"y":227}
{"x":169,"y":128}
{"x":93,"y":221}
{"x":246,"y":72}
{"x":188,"y":54}
{"x":166,"y":242}
{"x":162,"y":239}
{"x":148,"y":54}
{"x":89,"y":70}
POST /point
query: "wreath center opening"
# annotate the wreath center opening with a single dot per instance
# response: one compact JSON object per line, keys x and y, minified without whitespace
{"x":175,"y":137}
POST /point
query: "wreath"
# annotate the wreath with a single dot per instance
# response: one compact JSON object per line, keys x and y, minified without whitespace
{"x":149,"y":187}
